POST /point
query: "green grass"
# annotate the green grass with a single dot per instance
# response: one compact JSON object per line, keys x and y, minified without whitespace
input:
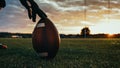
{"x":73,"y":53}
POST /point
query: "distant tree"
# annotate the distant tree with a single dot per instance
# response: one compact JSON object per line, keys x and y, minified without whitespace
{"x":5,"y":35}
{"x":85,"y":32}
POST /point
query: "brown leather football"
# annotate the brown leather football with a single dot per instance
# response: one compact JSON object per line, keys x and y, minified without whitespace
{"x":46,"y":39}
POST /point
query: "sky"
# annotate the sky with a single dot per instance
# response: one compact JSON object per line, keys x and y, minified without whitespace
{"x":69,"y":16}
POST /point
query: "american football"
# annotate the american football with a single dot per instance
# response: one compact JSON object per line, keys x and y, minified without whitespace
{"x":46,"y":39}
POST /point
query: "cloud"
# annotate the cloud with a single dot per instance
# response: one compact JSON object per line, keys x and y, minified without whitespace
{"x":13,"y":16}
{"x":64,"y":13}
{"x":63,"y":5}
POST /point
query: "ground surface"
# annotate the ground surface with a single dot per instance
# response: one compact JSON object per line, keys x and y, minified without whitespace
{"x":73,"y":53}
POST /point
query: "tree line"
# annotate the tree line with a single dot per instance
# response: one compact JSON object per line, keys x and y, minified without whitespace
{"x":82,"y":35}
{"x":85,"y":33}
{"x":90,"y":36}
{"x":15,"y":35}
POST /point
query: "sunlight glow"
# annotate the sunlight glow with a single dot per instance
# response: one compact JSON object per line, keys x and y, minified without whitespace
{"x":111,"y":27}
{"x":110,"y":35}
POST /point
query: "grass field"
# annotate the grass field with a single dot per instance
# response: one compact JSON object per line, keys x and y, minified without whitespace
{"x":73,"y":53}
